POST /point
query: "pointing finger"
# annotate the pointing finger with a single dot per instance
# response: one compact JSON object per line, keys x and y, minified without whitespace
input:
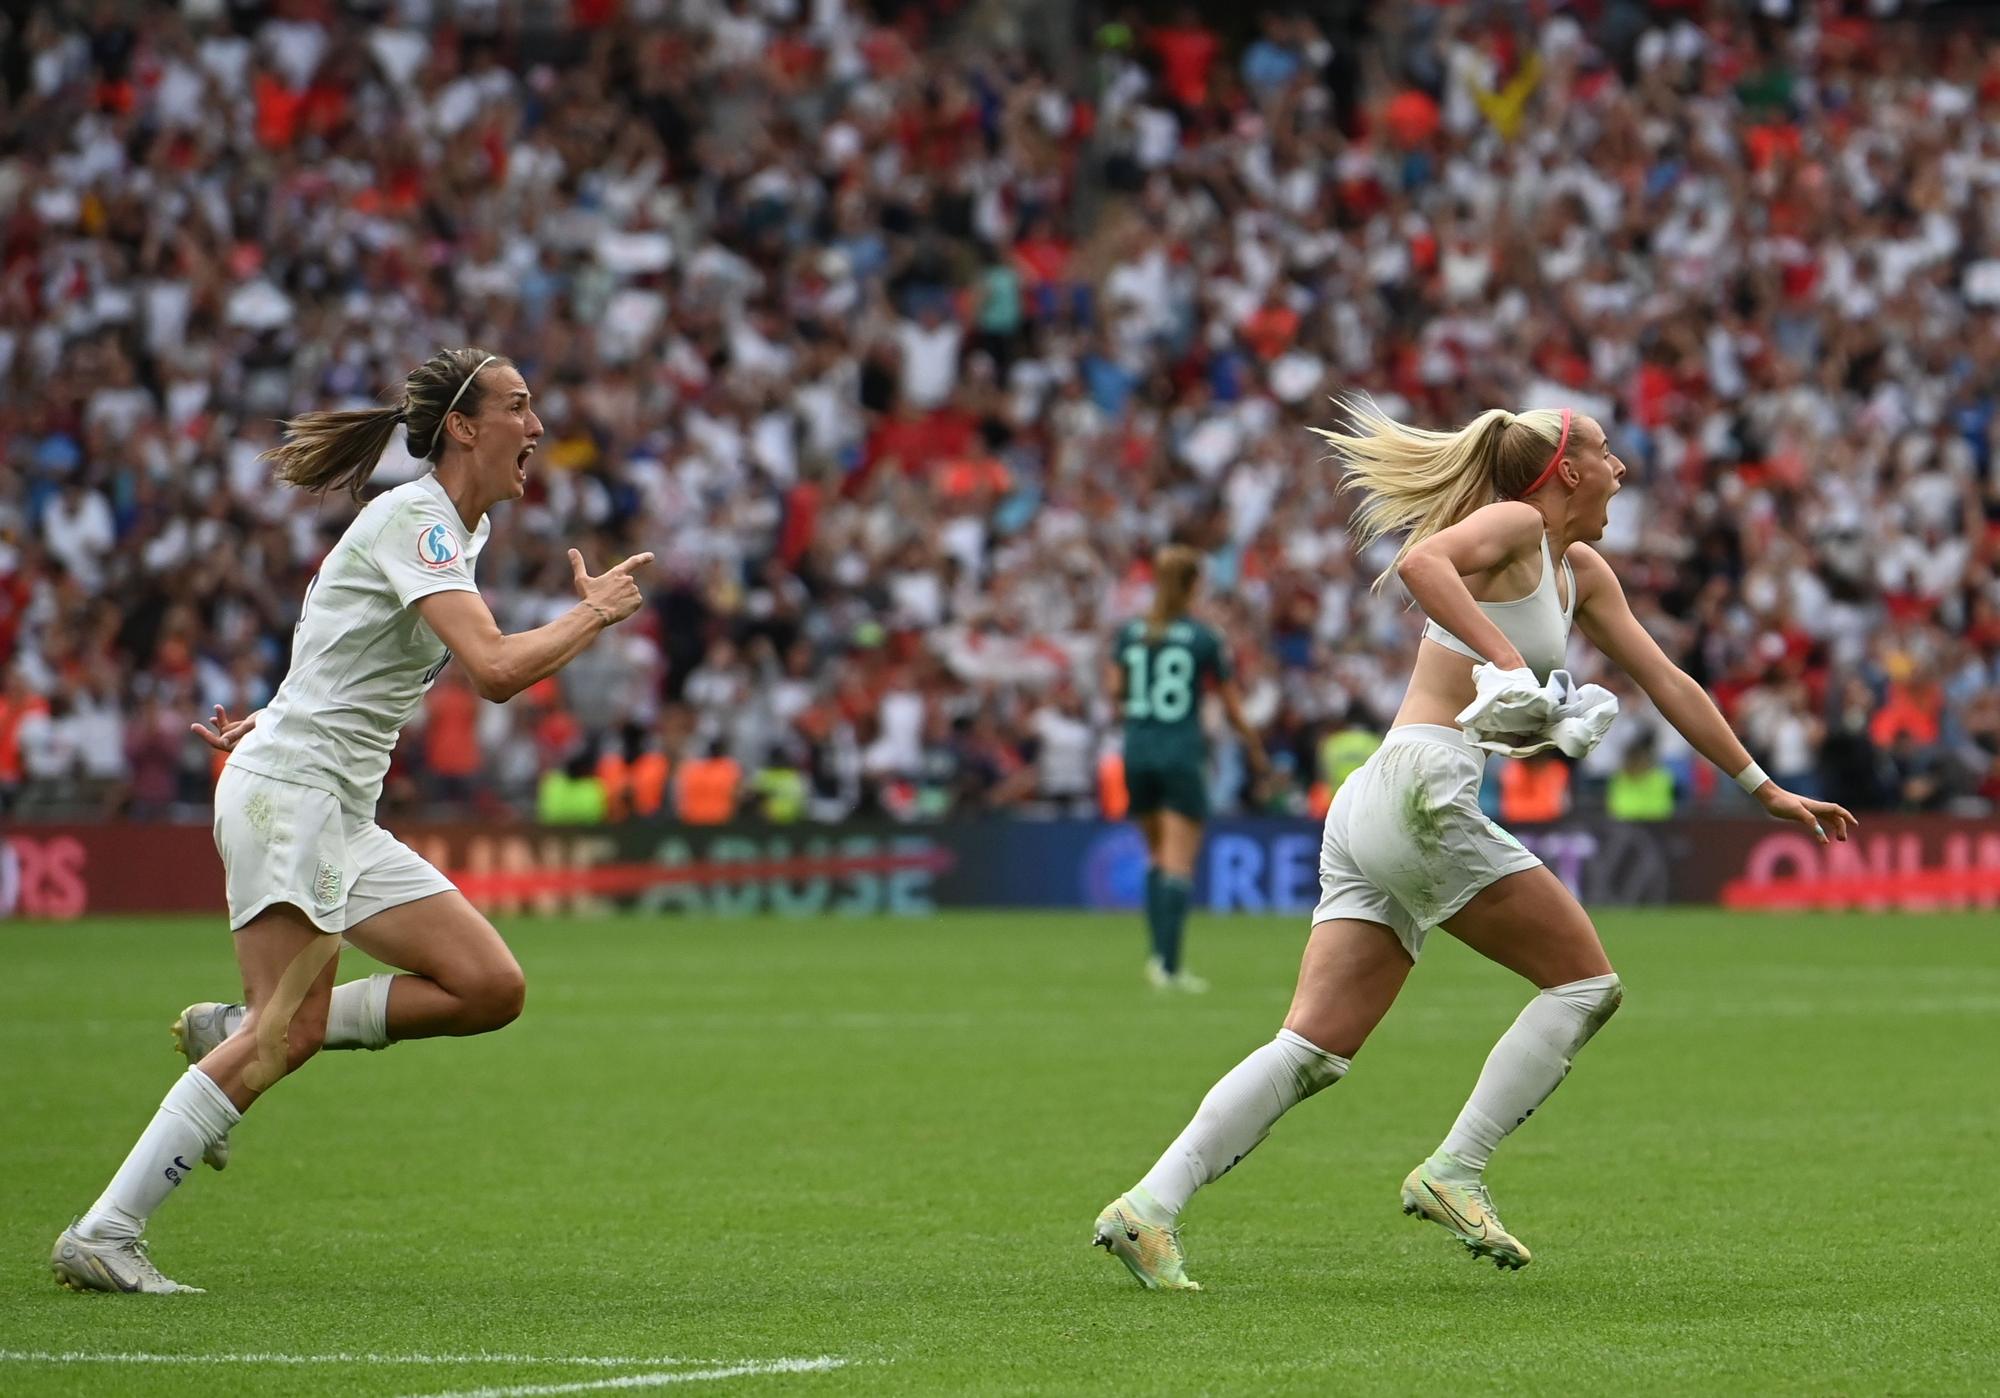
{"x":636,"y":561}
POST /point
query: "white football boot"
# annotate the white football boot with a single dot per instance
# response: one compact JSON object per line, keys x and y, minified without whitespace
{"x":82,"y":1265}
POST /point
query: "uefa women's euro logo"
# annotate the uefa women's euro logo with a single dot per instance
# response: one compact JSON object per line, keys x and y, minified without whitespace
{"x":436,"y":548}
{"x":1114,"y":869}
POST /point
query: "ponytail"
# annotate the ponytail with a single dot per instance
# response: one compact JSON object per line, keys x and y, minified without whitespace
{"x":1175,"y":570}
{"x":334,"y":450}
{"x":326,"y":451}
{"x":1416,"y":482}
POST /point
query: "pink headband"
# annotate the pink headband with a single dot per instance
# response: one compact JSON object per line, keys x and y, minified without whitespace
{"x":1549,"y":470}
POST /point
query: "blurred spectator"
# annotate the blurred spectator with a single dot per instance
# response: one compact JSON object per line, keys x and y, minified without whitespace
{"x":154,"y":747}
{"x":1534,"y":790}
{"x":1343,"y":751}
{"x":571,"y":794}
{"x":903,"y":347}
{"x":18,"y":704}
{"x":1642,"y":788}
{"x":706,"y":788}
{"x":451,"y":760}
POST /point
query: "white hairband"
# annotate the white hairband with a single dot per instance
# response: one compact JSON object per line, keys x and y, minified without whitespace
{"x":438,"y":431}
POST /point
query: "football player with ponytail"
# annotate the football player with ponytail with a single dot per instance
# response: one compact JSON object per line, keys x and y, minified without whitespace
{"x":306,"y":865}
{"x":1497,"y":521}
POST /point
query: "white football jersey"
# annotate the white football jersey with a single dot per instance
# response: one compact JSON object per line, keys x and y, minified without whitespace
{"x":361,"y":656}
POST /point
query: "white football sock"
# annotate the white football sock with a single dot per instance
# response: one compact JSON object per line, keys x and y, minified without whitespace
{"x":358,"y":1017}
{"x":1528,"y":1063}
{"x":1238,"y":1112}
{"x":193,"y":1116}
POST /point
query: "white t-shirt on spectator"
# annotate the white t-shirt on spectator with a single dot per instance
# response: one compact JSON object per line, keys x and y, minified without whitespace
{"x":80,"y":534}
{"x":917,"y":597}
{"x":96,"y":737}
{"x":296,"y":47}
{"x":118,"y":410}
{"x":1066,"y":761}
{"x":900,"y":746}
{"x":930,"y":361}
{"x":227,"y":59}
{"x":48,"y":747}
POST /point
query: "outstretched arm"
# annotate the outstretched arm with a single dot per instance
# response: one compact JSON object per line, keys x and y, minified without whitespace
{"x":1606,"y":618}
{"x":500,"y":665}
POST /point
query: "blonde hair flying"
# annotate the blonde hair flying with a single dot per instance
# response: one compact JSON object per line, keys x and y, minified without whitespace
{"x":1415,"y":482}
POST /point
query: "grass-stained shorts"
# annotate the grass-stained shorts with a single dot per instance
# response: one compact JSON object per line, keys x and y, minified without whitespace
{"x":1406,"y":843}
{"x":285,"y":843}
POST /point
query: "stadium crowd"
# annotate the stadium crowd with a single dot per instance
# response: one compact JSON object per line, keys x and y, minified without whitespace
{"x":903,"y":345}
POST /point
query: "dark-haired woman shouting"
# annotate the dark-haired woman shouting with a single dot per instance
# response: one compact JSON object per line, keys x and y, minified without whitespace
{"x":305,"y":862}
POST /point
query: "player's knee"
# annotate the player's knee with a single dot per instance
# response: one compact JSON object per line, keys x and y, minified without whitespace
{"x":1601,"y":996}
{"x":494,"y":997}
{"x":1594,"y":1000}
{"x":1314,"y":1067}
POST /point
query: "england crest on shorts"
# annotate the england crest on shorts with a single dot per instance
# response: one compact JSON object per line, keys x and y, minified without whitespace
{"x":326,"y":885}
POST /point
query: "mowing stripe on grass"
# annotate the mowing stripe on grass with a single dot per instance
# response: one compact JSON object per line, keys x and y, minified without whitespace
{"x":660,"y":1379}
{"x":595,"y":1361}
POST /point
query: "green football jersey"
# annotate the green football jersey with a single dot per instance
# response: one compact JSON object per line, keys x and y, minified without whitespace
{"x":1164,"y":682}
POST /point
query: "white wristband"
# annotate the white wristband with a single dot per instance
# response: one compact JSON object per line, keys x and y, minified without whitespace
{"x":1751,"y":777}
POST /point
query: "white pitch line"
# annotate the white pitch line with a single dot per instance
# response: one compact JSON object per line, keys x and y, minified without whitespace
{"x":594,"y":1361}
{"x":654,"y":1380}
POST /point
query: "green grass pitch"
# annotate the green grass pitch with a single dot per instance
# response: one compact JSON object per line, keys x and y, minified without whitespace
{"x":708,"y":1148}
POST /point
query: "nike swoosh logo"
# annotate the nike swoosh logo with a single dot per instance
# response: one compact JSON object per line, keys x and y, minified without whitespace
{"x":1130,"y":1236}
{"x":1457,"y":1217}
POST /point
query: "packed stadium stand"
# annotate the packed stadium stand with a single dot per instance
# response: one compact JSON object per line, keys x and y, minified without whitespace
{"x":904,"y":334}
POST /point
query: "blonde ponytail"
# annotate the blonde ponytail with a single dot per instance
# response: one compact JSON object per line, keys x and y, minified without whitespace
{"x":1416,"y":482}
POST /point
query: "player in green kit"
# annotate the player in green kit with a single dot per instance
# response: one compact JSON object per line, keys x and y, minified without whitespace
{"x":1161,"y":665}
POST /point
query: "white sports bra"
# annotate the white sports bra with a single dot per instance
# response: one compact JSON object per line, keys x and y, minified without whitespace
{"x":1537,"y":624}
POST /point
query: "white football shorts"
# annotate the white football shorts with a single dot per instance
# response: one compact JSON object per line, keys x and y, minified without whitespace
{"x":285,"y":843}
{"x":1406,"y":843}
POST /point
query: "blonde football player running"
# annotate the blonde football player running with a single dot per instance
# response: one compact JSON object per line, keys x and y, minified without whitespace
{"x":305,"y":863}
{"x":1498,"y":517}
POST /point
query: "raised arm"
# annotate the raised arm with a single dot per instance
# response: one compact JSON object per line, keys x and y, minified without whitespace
{"x":1436,"y":569}
{"x":501,"y":666}
{"x":1606,"y":618}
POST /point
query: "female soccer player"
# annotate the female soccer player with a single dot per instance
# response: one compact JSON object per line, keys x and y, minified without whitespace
{"x":1488,"y":511}
{"x":294,"y":809}
{"x":1161,"y":666}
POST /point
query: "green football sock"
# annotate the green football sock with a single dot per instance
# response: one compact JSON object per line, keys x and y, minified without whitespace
{"x":1173,"y":901}
{"x":1155,"y":917}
